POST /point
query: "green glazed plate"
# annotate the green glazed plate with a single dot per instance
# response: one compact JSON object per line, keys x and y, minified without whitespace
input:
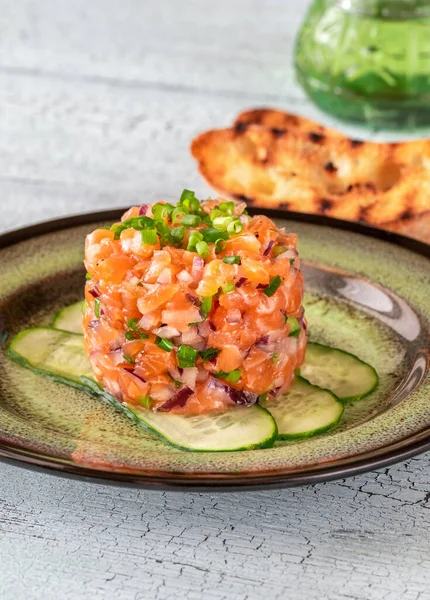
{"x":367,"y":292}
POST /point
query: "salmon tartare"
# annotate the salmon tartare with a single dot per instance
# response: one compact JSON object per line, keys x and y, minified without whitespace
{"x":194,"y":307}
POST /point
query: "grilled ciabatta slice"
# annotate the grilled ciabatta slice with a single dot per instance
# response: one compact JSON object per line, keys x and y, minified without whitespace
{"x":273,"y":159}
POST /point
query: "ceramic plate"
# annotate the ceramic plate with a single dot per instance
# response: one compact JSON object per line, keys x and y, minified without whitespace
{"x":367,"y":292}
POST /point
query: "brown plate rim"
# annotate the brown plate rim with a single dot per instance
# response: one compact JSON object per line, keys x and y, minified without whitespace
{"x":383,"y":457}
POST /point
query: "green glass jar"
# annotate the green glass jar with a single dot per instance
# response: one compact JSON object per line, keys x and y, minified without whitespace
{"x":368,"y":61}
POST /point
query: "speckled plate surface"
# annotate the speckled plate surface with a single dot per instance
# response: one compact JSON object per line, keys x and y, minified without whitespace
{"x":367,"y":292}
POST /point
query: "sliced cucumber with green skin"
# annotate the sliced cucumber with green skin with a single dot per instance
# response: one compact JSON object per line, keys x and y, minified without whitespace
{"x":70,"y":318}
{"x":57,"y":354}
{"x":61,"y":356}
{"x":338,"y":371}
{"x":305,"y":410}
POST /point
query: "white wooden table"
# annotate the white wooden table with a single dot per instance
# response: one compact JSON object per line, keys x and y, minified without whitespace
{"x":99,"y":100}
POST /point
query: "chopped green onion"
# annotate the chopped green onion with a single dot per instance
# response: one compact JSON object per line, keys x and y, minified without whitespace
{"x":186,"y":356}
{"x":227,"y":207}
{"x":164,"y":344}
{"x":219,"y":245}
{"x":191,"y":220}
{"x":262,"y":397}
{"x":295,"y":328}
{"x":206,"y":305}
{"x":84,"y":306}
{"x":132,"y":334}
{"x":278,"y":250}
{"x":149,"y":236}
{"x":212,"y":235}
{"x":175,"y":381}
{"x":216,"y":213}
{"x":137,"y":223}
{"x":274,"y":357}
{"x":97,"y":308}
{"x":209,"y":353}
{"x":222,"y":223}
{"x":186,"y":195}
{"x":87,"y":276}
{"x":193,"y":240}
{"x":178,"y":214}
{"x":229,"y":287}
{"x":145,"y":401}
{"x":177,"y":234}
{"x":292,"y":261}
{"x":235,"y":227}
{"x":161,"y":211}
{"x":232,"y":377}
{"x":275,"y":282}
{"x":132,"y":323}
{"x":164,"y":231}
{"x":232,"y":260}
{"x":202,"y":249}
{"x":129,"y":359}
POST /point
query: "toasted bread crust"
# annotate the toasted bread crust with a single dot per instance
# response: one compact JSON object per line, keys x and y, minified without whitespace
{"x":274,"y":159}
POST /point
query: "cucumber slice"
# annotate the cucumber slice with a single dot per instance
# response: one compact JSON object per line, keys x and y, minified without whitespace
{"x":305,"y":410}
{"x":348,"y":377}
{"x":58,"y":354}
{"x":61,"y":356}
{"x":70,"y":318}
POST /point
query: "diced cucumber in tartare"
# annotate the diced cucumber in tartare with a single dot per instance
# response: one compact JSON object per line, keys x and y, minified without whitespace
{"x":305,"y":410}
{"x":70,"y":318}
{"x":348,"y":377}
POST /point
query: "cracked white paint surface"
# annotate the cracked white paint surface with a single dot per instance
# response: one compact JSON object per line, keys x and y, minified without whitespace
{"x":98,"y":102}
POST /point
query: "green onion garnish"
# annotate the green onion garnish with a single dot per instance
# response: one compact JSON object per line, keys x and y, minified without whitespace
{"x":292,"y":261}
{"x":295,"y":328}
{"x":227,"y":207}
{"x":206,"y":305}
{"x":187,"y":195}
{"x":132,"y":335}
{"x":275,"y":282}
{"x":149,"y":236}
{"x":97,"y":308}
{"x":212,"y":235}
{"x":193,"y":240}
{"x":178,"y":214}
{"x":274,"y":357}
{"x":229,"y":287}
{"x":164,"y":344}
{"x":177,"y":234}
{"x":145,"y":401}
{"x":232,"y":260}
{"x":137,"y":223}
{"x":175,"y":381}
{"x":129,"y":359}
{"x":87,"y":276}
{"x":209,"y":353}
{"x":234,"y":227}
{"x":278,"y":250}
{"x":262,"y":397}
{"x":191,"y":220}
{"x":232,"y":377}
{"x":202,"y":249}
{"x":219,"y":245}
{"x":186,"y":356}
{"x":161,"y":211}
{"x":132,"y":323}
{"x":222,"y":223}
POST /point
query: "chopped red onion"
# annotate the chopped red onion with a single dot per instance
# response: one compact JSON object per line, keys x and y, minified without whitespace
{"x":165,"y":276}
{"x":191,"y":336}
{"x":189,"y":377}
{"x":95,"y":292}
{"x":184,"y":277}
{"x":197,"y":269}
{"x":241,"y":281}
{"x":269,"y":247}
{"x":240,"y":397}
{"x":143,"y":210}
{"x":193,"y":299}
{"x":93,"y":323}
{"x":166,"y":332}
{"x":206,"y":328}
{"x":180,"y":399}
